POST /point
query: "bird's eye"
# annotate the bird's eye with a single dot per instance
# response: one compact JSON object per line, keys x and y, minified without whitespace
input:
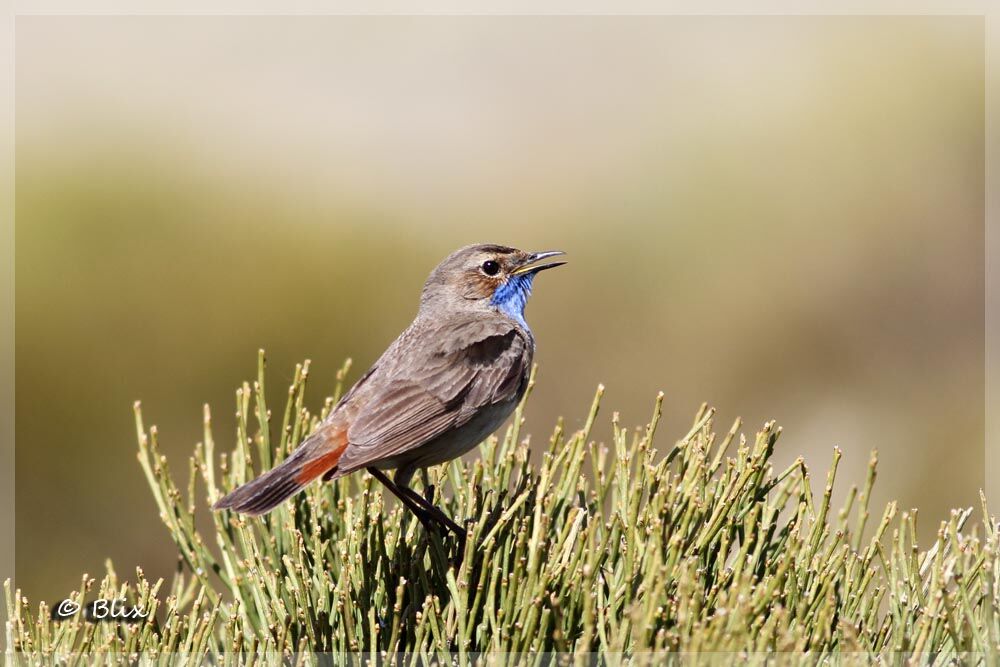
{"x":491,"y":268}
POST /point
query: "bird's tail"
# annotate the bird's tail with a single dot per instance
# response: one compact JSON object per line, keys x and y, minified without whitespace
{"x":318,"y":455}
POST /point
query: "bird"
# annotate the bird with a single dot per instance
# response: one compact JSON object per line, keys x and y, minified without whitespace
{"x":447,"y":382}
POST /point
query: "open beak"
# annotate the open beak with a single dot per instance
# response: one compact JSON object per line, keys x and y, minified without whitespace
{"x":531,"y":262}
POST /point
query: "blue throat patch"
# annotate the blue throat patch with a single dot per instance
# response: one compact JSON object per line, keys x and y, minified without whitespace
{"x":511,"y":297}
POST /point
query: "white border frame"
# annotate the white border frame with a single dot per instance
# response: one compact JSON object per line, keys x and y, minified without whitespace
{"x":985,"y":8}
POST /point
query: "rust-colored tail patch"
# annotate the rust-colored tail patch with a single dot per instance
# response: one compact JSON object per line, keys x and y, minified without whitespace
{"x":321,"y":464}
{"x":314,"y":457}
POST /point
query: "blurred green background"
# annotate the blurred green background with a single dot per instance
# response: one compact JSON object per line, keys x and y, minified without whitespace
{"x":782,"y":216}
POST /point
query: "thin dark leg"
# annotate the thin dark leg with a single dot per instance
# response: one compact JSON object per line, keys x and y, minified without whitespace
{"x":421,"y":507}
{"x":440,"y":516}
{"x":432,"y":509}
{"x":417,"y":510}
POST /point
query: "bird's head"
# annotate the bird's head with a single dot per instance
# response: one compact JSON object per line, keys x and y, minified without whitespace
{"x":488,"y":276}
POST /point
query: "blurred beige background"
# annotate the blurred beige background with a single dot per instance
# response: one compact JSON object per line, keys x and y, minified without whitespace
{"x":782,"y":216}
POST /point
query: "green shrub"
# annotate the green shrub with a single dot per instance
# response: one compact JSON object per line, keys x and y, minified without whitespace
{"x":619,"y":549}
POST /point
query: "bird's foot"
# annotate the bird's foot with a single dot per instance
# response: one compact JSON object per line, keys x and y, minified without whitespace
{"x":433,"y":523}
{"x":427,"y":520}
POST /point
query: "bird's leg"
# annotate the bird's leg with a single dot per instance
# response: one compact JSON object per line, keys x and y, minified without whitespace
{"x":431,"y":509}
{"x":402,"y":482}
{"x":438,"y":515}
{"x":424,"y":510}
{"x":422,"y":514}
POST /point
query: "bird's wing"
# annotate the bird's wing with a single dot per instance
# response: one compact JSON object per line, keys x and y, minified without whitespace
{"x":437,"y":381}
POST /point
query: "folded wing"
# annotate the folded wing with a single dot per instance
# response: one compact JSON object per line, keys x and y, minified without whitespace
{"x":438,"y":386}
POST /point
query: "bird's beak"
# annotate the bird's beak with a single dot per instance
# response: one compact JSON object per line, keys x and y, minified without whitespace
{"x":530,"y":264}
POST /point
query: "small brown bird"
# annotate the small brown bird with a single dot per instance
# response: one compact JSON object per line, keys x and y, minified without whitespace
{"x":447,"y":382}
